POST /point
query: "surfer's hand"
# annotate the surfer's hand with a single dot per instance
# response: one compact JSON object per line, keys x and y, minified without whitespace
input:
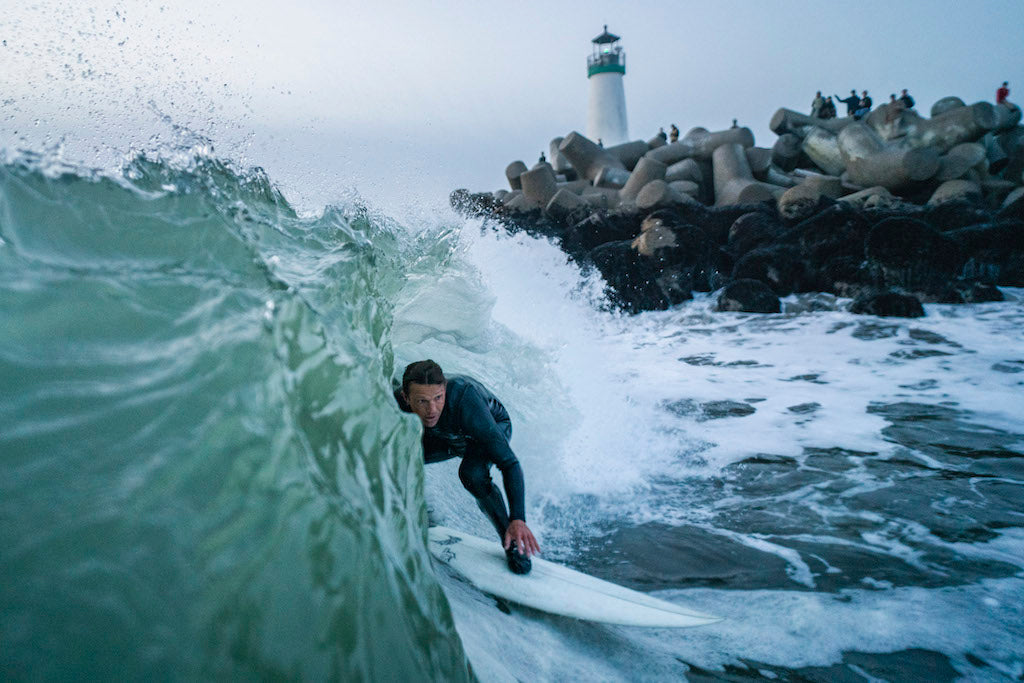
{"x":520,"y":533}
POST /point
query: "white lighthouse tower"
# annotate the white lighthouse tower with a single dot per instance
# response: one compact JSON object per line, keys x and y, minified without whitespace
{"x":606,"y":113}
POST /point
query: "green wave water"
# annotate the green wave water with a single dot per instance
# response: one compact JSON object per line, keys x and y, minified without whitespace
{"x":201,"y":472}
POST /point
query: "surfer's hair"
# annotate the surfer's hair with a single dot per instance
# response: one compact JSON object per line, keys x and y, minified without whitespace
{"x":422,"y":372}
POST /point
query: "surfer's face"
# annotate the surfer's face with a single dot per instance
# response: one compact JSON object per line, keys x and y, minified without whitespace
{"x":427,"y":401}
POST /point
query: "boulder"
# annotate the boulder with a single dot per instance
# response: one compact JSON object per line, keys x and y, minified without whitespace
{"x":777,"y":265}
{"x":631,"y":278}
{"x":913,"y":256}
{"x":752,"y":230}
{"x":748,"y":296}
{"x":888,"y":304}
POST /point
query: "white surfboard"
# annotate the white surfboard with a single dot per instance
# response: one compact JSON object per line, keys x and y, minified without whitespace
{"x":552,"y":588}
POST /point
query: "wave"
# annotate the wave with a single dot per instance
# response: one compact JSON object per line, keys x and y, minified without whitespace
{"x":202,"y":473}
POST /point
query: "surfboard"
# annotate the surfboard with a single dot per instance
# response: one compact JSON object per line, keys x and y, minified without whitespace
{"x":554,"y":588}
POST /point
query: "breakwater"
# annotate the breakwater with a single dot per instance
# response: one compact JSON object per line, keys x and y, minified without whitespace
{"x":892,"y":210}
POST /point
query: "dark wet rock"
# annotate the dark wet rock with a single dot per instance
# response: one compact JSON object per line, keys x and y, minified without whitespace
{"x":888,"y":304}
{"x":966,"y":292}
{"x":913,"y":256}
{"x":994,"y":252}
{"x":473,"y":203}
{"x":748,"y":296}
{"x":599,"y":228}
{"x":752,"y":230}
{"x":955,"y":214}
{"x":839,"y":230}
{"x":804,"y":408}
{"x":718,"y":220}
{"x":716,"y":410}
{"x":778,"y":265}
{"x":800,"y":209}
{"x":1014,"y":211}
{"x":632,"y":278}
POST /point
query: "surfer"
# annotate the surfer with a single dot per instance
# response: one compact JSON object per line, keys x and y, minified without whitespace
{"x":462,"y":418}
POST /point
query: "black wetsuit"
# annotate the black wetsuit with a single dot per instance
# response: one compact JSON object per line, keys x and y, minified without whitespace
{"x":476,"y":427}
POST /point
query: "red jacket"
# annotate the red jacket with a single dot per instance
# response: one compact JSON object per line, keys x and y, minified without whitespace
{"x":1002,"y":94}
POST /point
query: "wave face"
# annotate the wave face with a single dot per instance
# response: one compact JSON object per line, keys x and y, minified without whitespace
{"x":201,"y":470}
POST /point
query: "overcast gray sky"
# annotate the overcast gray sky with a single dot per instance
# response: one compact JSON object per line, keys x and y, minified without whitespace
{"x":405,"y":101}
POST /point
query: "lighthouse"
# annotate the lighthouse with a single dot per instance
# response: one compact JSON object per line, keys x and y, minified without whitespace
{"x":606,"y":113}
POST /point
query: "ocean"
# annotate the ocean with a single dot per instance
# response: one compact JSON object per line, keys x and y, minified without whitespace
{"x":203,"y":474}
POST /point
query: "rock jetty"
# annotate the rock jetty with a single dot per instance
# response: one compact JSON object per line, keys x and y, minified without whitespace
{"x":892,"y":210}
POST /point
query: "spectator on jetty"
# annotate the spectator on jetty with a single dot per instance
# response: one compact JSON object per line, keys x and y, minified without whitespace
{"x":828,"y":110}
{"x":734,"y":124}
{"x":661,"y":134}
{"x":673,"y":133}
{"x":864,"y":106}
{"x":893,"y":109}
{"x":907,"y":100}
{"x":1003,"y":93}
{"x":542,"y":160}
{"x":852,"y":102}
{"x":816,"y":104}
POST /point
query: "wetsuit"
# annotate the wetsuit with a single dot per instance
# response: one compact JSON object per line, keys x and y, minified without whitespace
{"x":476,"y":427}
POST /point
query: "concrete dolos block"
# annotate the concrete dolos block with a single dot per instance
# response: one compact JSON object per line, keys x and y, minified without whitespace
{"x":789,"y":121}
{"x":945,"y":104}
{"x":658,"y":194}
{"x":955,"y":190}
{"x":687,"y":169}
{"x":563,"y":203}
{"x":960,"y":160}
{"x":786,"y":151}
{"x":557,"y":159}
{"x":586,"y":157}
{"x":734,"y":181}
{"x":539,"y":185}
{"x":629,"y":153}
{"x":822,"y":147}
{"x":646,"y":170}
{"x":701,"y":144}
{"x":949,"y":129}
{"x":870,"y":161}
{"x":512,"y":173}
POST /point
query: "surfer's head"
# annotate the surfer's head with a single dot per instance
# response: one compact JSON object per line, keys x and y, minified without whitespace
{"x":423,"y":386}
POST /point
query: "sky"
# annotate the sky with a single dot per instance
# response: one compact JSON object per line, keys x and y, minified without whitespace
{"x":402,"y":102}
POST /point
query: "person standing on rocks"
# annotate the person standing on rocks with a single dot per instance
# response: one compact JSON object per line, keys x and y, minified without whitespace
{"x":816,"y":104}
{"x":1003,"y":93}
{"x":673,"y":133}
{"x":828,"y":110}
{"x":864,"y":106}
{"x":462,"y":418}
{"x":907,"y":100}
{"x":852,"y":102}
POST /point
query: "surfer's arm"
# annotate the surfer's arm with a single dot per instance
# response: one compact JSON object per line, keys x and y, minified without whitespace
{"x":480,"y":425}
